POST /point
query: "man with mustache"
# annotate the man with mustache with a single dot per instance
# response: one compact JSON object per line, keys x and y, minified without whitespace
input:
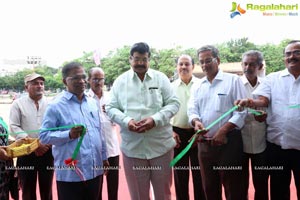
{"x":96,"y":78}
{"x":183,"y":131}
{"x":280,"y":92}
{"x":254,"y":130}
{"x":26,"y":114}
{"x":142,"y":103}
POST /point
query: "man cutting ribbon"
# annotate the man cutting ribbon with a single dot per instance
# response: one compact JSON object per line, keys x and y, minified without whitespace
{"x":221,"y":148}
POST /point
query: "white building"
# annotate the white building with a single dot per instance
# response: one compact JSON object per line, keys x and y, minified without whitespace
{"x":10,"y":66}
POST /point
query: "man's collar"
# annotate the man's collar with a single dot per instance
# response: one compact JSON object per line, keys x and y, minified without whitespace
{"x":149,"y":73}
{"x":219,"y":76}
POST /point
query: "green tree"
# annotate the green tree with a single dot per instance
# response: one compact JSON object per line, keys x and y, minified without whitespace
{"x":273,"y":55}
{"x":116,"y":63}
{"x":232,"y":51}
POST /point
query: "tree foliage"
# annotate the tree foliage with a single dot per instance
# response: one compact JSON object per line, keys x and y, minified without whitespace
{"x":117,"y":62}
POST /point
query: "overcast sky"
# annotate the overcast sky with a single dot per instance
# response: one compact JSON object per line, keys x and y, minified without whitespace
{"x":60,"y":30}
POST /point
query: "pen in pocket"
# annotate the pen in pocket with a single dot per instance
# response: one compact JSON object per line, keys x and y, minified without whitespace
{"x":152,"y":88}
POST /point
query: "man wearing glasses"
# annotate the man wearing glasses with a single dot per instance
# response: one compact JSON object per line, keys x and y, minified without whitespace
{"x":142,"y":103}
{"x":74,"y":107}
{"x":280,"y":92}
{"x":221,"y":147}
{"x":96,"y":80}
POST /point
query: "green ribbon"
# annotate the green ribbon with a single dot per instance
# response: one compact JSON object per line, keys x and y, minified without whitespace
{"x":255,"y":112}
{"x":295,"y":106}
{"x":47,"y":129}
{"x":53,"y":129}
{"x":79,"y":143}
{"x":187,"y":148}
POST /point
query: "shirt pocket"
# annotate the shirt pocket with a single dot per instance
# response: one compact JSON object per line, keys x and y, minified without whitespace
{"x":222,"y":102}
{"x":154,"y":98}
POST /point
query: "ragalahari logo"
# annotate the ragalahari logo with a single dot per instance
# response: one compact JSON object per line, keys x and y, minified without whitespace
{"x":236,"y":10}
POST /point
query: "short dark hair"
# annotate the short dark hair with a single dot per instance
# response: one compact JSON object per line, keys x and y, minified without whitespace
{"x":68,"y":67}
{"x":141,"y":48}
{"x":291,"y":42}
{"x":213,"y":49}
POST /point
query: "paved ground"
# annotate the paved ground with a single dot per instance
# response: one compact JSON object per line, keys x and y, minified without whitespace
{"x":123,"y":190}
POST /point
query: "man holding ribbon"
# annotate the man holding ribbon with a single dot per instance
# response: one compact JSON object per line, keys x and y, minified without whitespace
{"x":78,"y":177}
{"x":221,"y":147}
{"x":254,"y":131}
{"x":280,"y":92}
{"x":26,"y":114}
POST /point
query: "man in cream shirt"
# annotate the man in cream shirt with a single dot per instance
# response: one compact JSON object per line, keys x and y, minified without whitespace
{"x":183,"y":131}
{"x":142,"y":103}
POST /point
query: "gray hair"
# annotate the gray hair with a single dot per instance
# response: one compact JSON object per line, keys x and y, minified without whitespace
{"x":257,"y":54}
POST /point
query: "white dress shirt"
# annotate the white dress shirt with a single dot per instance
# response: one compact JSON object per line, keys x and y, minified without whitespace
{"x":24,"y":116}
{"x":253,"y":132}
{"x":283,"y":123}
{"x":209,"y":101}
{"x":107,"y":126}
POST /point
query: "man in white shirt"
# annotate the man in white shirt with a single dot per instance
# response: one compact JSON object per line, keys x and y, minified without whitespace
{"x":142,"y":103}
{"x":27,"y":114}
{"x":280,"y":92}
{"x":254,"y":132}
{"x":96,"y":79}
{"x":221,"y":149}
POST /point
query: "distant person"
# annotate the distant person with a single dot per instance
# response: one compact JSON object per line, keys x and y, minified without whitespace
{"x":221,"y":148}
{"x":254,"y":130}
{"x":70,"y":108}
{"x":96,"y":79}
{"x":280,"y":92}
{"x":142,"y":103}
{"x":183,"y":132}
{"x":26,"y":114}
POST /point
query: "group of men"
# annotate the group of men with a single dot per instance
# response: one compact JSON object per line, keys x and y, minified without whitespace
{"x":157,"y":120}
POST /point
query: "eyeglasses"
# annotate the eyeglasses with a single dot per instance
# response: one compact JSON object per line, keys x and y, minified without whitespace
{"x":207,"y":61}
{"x":77,"y":78}
{"x":136,"y":59}
{"x":289,"y":53}
{"x":98,"y":80}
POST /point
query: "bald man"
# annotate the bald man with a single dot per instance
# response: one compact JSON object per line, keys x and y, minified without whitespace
{"x":96,"y":79}
{"x":183,"y":131}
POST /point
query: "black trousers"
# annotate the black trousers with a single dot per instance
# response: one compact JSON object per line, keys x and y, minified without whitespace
{"x":31,"y":168}
{"x":83,"y":190}
{"x":222,"y":165}
{"x":112,"y":178}
{"x":282,"y":163}
{"x":182,"y":168}
{"x":260,"y":174}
